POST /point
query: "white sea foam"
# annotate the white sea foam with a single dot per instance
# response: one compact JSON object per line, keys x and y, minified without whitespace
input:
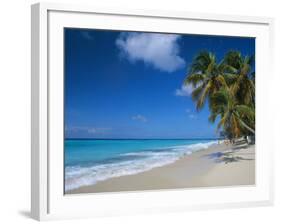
{"x":77,"y":176}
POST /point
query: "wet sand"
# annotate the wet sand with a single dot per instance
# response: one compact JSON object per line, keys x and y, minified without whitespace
{"x":219,"y":165}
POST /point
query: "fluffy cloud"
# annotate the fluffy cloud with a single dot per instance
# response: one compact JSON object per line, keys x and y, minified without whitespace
{"x":139,"y":117}
{"x":185,"y":90}
{"x":158,"y":50}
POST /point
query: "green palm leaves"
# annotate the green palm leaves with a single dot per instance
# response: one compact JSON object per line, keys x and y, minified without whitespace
{"x":206,"y":77}
{"x":242,"y":84}
{"x":236,"y":119}
{"x":229,"y":88}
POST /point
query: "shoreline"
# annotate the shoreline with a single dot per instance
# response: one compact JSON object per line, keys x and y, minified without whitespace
{"x":218,"y":165}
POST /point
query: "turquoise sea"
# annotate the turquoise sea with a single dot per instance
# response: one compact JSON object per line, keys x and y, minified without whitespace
{"x":89,"y":161}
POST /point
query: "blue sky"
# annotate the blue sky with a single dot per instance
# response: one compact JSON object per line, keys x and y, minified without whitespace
{"x":129,"y":84}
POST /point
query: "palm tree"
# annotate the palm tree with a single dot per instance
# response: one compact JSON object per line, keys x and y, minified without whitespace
{"x":206,"y":76}
{"x":241,"y":77}
{"x":235,"y":118}
{"x":229,"y":87}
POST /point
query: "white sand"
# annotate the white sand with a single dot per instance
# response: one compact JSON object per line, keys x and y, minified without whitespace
{"x":218,"y":165}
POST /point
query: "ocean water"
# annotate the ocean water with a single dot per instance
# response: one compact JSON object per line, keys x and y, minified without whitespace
{"x":90,"y":161}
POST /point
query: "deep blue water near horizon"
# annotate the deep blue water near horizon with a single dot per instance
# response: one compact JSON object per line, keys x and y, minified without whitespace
{"x":88,"y":161}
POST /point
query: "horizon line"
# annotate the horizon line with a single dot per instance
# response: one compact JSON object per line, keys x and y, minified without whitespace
{"x":207,"y":138}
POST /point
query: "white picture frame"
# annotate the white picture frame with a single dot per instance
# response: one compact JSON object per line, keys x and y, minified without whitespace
{"x":48,"y":201}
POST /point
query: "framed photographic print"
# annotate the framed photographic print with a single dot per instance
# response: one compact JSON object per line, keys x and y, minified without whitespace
{"x":142,"y":111}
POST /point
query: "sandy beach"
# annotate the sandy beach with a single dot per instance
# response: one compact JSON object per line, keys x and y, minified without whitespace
{"x":219,"y":165}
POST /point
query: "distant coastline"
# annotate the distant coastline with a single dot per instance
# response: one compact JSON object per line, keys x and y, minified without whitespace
{"x":145,"y":138}
{"x":165,"y":85}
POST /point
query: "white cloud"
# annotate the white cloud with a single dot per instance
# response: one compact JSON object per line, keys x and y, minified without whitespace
{"x":139,"y":117}
{"x":87,"y":35}
{"x":192,"y":116}
{"x":159,"y":50}
{"x":185,"y":90}
{"x":98,"y":130}
{"x":90,"y":130}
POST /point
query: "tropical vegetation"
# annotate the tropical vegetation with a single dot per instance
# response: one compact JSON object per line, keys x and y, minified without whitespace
{"x":228,"y":86}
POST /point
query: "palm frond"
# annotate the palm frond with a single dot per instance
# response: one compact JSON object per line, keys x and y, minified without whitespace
{"x":194,"y":79}
{"x":202,"y":98}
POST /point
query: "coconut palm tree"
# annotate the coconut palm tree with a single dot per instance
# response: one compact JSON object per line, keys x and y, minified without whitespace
{"x":235,"y":118}
{"x":241,"y":77}
{"x":229,"y":87}
{"x":206,"y":77}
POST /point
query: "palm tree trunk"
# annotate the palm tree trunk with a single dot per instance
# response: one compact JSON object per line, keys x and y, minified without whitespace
{"x":246,"y":126}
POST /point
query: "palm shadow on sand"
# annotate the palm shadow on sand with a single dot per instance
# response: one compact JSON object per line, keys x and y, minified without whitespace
{"x":228,"y":157}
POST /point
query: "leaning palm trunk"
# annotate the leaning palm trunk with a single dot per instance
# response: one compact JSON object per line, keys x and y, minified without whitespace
{"x":228,"y":88}
{"x":246,"y":126}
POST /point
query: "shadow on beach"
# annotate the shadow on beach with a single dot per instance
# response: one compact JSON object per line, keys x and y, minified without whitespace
{"x":230,"y":156}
